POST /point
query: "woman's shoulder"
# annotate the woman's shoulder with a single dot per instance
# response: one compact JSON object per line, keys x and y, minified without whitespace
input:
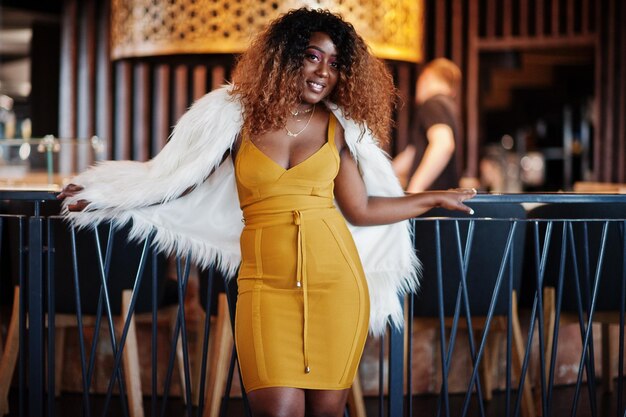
{"x":337,"y":127}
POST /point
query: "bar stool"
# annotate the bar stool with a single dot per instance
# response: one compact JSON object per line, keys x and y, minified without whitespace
{"x":9,"y":353}
{"x":220,"y":342}
{"x":489,"y":240}
{"x":122,"y":271}
{"x":575,"y":278}
{"x":13,"y":229}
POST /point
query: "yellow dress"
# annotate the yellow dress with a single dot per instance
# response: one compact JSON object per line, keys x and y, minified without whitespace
{"x":303,"y":304}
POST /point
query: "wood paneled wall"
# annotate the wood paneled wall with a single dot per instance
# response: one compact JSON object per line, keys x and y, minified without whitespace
{"x":405,"y":76}
{"x":134,"y":103}
{"x":462,"y":29}
{"x":610,"y":134}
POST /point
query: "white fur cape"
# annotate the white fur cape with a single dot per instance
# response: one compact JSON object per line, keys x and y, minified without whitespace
{"x":207,"y":221}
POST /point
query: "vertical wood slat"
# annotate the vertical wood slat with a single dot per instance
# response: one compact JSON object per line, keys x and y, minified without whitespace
{"x":86,"y":85}
{"x":458,"y":49}
{"x":507,"y":18}
{"x":218,"y":76}
{"x":104,"y":114}
{"x":67,"y":108}
{"x":523,"y":18}
{"x":141,"y":112}
{"x":123,"y":103}
{"x":457,"y":32}
{"x":539,"y":18}
{"x":199,"y":81}
{"x":86,"y":70}
{"x":440,"y":29}
{"x":599,"y":92}
{"x":472,"y":91}
{"x":609,"y":135}
{"x":585,"y":15}
{"x":554,"y":22}
{"x":622,"y":100}
{"x":161,"y":127}
{"x":490,"y":16}
{"x":181,"y":99}
{"x":67,"y":88}
{"x":571,"y":14}
{"x":404,"y":112}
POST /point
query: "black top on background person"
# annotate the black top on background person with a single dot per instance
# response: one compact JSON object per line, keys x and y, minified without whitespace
{"x":439,"y":109}
{"x":429,"y":161}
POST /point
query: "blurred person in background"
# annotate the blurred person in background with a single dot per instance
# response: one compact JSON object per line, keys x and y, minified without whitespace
{"x":429,"y":160}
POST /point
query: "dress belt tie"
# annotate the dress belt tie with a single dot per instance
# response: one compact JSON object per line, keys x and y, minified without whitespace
{"x":301,"y":282}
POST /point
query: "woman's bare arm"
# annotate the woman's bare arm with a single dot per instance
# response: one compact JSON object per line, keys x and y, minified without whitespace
{"x":70,"y":190}
{"x":363,"y":210}
{"x":438,"y":153}
{"x":402,"y":164}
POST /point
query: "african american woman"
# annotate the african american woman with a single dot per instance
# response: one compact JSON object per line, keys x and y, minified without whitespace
{"x":275,"y":176}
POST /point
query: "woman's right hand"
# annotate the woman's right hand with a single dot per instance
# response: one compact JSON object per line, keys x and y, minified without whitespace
{"x":70,"y":190}
{"x":453,"y":199}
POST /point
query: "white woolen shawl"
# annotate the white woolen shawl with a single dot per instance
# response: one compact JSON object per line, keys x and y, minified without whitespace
{"x":206,"y":222}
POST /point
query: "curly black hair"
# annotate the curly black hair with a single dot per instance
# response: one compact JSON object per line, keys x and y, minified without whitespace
{"x":267,"y":77}
{"x":291,"y":34}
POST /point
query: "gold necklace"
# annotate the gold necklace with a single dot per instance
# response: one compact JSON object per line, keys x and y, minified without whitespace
{"x":296,"y":112}
{"x":292,"y":134}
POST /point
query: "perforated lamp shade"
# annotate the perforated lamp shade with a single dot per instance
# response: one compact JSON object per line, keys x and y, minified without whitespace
{"x":139,"y":28}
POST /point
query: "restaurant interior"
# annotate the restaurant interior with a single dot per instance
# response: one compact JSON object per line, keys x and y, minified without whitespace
{"x":543,"y":110}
